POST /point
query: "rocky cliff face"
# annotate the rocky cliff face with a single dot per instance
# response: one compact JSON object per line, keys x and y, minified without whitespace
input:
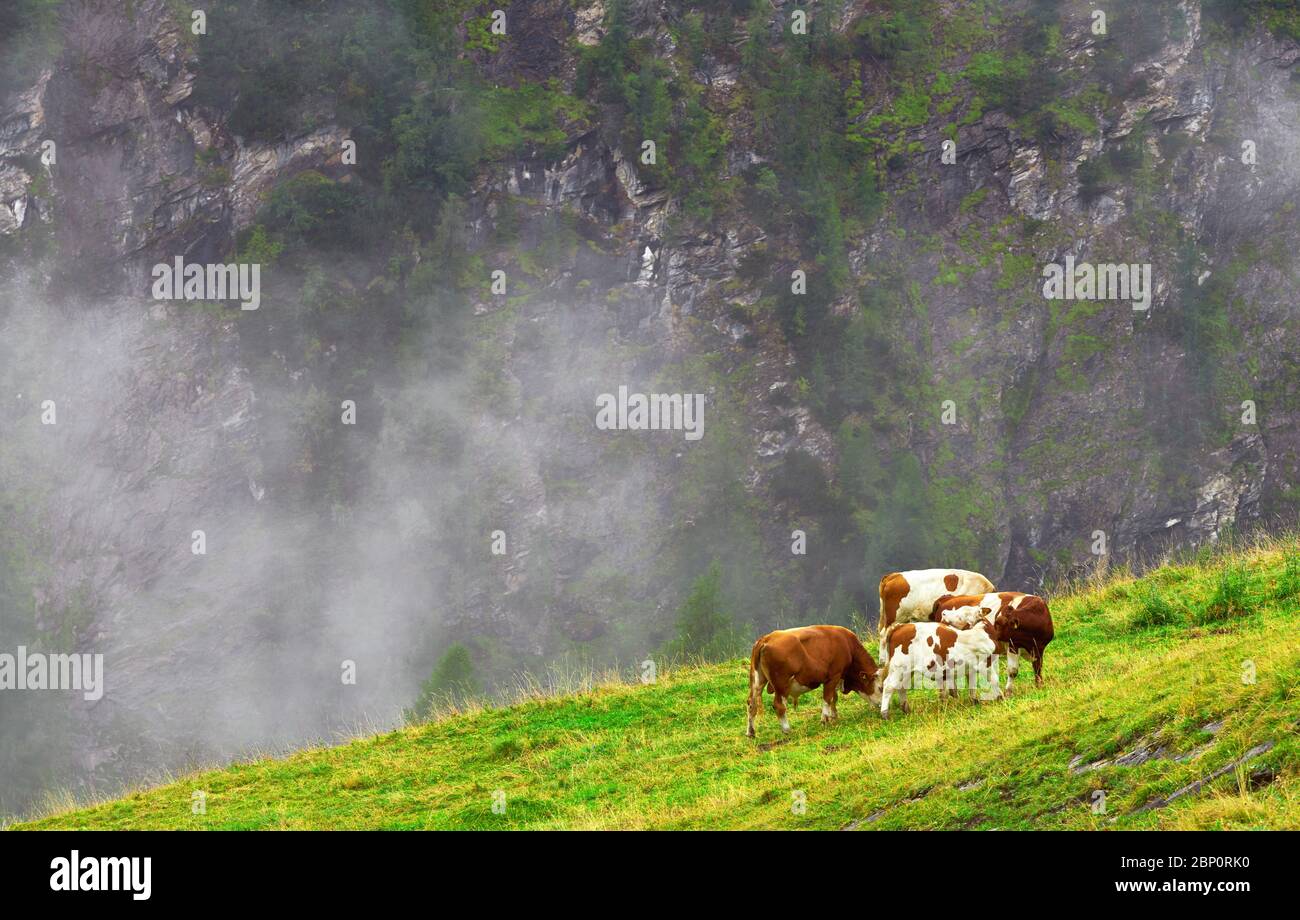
{"x":1088,"y":447}
{"x":1035,"y":424}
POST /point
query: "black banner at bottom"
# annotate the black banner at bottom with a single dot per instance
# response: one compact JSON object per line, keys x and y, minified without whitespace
{"x":333,"y":869}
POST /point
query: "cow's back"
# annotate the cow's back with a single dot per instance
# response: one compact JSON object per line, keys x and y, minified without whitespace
{"x":930,"y":648}
{"x":908,"y":597}
{"x":806,"y":654}
{"x":976,"y":606}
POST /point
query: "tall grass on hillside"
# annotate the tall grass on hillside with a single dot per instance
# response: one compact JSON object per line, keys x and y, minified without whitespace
{"x":1152,"y":607}
{"x":1176,"y":693}
{"x":1231,"y":598}
{"x":1288,"y":582}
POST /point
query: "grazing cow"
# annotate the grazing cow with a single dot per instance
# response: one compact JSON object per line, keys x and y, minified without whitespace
{"x":938,"y":653}
{"x":1029,"y":624}
{"x":790,"y":662}
{"x":908,"y":597}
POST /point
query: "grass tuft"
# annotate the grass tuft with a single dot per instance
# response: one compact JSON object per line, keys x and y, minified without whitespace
{"x":1152,"y":607}
{"x":1231,"y":598}
{"x":1288,"y":582}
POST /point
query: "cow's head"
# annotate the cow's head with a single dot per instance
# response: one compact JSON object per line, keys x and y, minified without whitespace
{"x":936,"y":612}
{"x":865,"y":678}
{"x":1006,"y":623}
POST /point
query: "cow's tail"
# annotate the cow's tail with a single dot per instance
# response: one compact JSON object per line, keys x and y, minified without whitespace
{"x":757,"y":682}
{"x":757,"y":676}
{"x":884,"y":643}
{"x":880,"y":624}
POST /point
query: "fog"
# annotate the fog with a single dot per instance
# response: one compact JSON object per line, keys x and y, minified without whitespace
{"x":207,"y":655}
{"x":184,"y":487}
{"x":314,"y":612}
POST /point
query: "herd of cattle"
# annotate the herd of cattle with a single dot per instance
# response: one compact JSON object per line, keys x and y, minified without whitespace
{"x":938,"y":628}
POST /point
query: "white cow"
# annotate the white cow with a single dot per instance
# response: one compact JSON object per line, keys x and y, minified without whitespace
{"x":923,"y":655}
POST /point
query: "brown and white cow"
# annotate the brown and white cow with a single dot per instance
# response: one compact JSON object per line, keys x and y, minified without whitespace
{"x":791,"y":662}
{"x":1028,"y":624}
{"x":908,"y":597}
{"x":933,"y":655}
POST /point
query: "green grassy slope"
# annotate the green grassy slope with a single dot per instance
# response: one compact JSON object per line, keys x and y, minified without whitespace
{"x":1137,"y":665}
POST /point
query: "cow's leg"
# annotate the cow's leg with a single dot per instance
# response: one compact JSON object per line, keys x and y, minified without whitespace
{"x":778,"y":703}
{"x":992,"y":684}
{"x":1013,"y":666}
{"x":886,"y":691}
{"x":1038,"y":667}
{"x":829,"y":698}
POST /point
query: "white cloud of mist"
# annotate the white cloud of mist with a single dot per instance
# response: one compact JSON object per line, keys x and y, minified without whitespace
{"x":158,"y":434}
{"x":162,"y":430}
